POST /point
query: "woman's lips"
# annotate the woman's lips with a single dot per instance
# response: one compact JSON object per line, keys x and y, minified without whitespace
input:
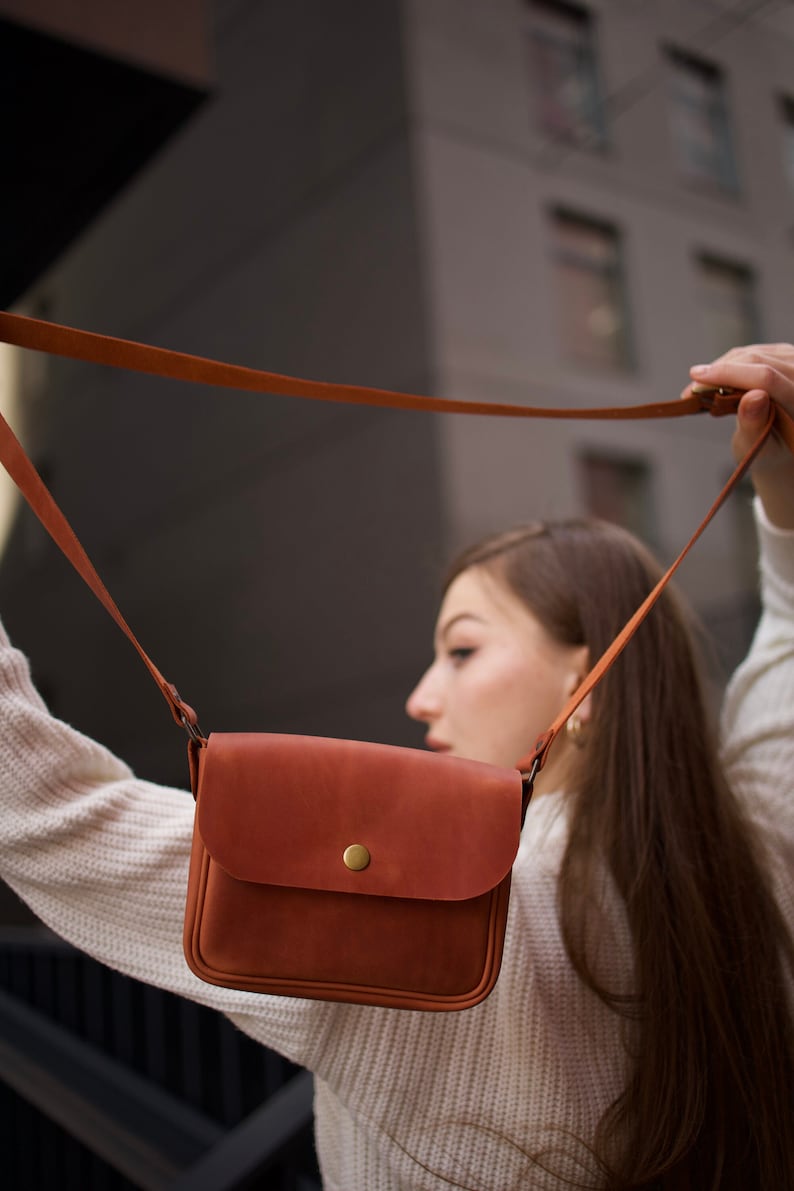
{"x":437,"y":746}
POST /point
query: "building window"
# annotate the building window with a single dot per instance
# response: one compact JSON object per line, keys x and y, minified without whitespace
{"x":592,"y":306}
{"x":787,"y":109}
{"x":728,"y":304}
{"x":700,"y":123}
{"x":563,"y":73}
{"x":618,"y":489}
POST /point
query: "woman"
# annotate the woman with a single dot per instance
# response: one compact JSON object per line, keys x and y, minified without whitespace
{"x":640,"y":1034}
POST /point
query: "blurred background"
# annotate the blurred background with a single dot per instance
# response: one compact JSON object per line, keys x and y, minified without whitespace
{"x":531,"y":201}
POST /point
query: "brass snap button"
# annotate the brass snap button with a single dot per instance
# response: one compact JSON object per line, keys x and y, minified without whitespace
{"x":356,"y":857}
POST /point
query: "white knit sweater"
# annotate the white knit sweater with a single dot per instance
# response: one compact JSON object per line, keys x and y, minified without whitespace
{"x":403,"y":1100}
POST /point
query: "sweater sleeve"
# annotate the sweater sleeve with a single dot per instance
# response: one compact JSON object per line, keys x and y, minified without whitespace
{"x":758,"y":715}
{"x":102,"y":859}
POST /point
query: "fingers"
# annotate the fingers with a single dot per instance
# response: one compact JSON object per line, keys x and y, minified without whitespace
{"x":758,"y":353}
{"x":760,"y":371}
{"x":753,"y":410}
{"x":750,"y":420}
{"x":765,"y":367}
{"x":743,"y":376}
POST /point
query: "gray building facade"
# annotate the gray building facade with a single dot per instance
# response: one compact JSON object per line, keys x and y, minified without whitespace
{"x":529,"y":201}
{"x":533,"y":202}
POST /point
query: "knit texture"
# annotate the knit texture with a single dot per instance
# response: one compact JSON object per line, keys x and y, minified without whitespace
{"x":403,"y":1100}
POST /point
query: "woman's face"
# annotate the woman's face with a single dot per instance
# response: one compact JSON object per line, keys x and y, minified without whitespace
{"x":498,"y":679}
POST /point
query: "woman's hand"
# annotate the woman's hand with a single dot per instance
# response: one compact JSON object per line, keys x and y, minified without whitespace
{"x":764,"y":370}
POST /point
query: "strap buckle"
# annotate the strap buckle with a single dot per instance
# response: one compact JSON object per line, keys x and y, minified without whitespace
{"x":528,"y":784}
{"x":183,"y":713}
{"x":717,"y":400}
{"x":528,"y":776}
{"x":192,"y":729}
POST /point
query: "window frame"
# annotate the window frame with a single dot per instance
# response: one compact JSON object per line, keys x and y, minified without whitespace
{"x":722,"y":177}
{"x":540,"y":18}
{"x":614,"y":273}
{"x":786,"y":109}
{"x":639,"y":472}
{"x":746,"y":275}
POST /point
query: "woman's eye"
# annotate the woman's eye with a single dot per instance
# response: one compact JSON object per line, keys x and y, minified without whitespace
{"x":461,"y":654}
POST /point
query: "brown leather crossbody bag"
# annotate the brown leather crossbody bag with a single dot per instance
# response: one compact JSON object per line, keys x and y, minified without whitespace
{"x":309,"y":873}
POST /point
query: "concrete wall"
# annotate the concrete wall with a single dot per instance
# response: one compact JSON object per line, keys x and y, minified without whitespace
{"x":165,"y":36}
{"x":276,"y":558}
{"x":488,"y":182}
{"x":365,"y":198}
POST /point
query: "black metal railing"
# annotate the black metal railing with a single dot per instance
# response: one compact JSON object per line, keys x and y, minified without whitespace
{"x":109,"y":1084}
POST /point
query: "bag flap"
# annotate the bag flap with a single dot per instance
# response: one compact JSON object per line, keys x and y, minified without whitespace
{"x":283,"y":810}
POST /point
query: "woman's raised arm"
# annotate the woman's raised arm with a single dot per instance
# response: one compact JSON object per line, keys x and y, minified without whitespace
{"x":758,"y":715}
{"x":102,"y":859}
{"x":764,"y":370}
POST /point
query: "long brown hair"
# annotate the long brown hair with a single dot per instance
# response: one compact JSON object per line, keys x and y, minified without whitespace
{"x":710,"y":1096}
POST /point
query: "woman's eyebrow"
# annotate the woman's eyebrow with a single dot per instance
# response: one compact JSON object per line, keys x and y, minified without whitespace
{"x":444,"y":628}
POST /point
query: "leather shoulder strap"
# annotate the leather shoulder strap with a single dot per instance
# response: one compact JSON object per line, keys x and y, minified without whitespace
{"x":533,"y":762}
{"x":140,"y":357}
{"x":120,"y":353}
{"x":27,"y":479}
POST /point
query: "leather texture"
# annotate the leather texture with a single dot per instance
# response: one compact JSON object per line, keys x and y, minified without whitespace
{"x":272,"y":906}
{"x":75,"y":344}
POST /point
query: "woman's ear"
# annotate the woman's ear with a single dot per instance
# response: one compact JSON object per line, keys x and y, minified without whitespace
{"x":581,"y":667}
{"x":585,"y":709}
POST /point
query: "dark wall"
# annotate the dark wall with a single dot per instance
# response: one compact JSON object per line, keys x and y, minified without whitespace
{"x":276,"y":558}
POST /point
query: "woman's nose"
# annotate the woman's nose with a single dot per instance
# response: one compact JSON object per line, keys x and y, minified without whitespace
{"x":423,"y":703}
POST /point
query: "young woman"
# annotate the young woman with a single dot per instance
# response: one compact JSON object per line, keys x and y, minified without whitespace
{"x":641,"y":1033}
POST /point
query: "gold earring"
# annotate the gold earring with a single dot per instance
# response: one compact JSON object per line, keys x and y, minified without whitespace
{"x":574,"y":730}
